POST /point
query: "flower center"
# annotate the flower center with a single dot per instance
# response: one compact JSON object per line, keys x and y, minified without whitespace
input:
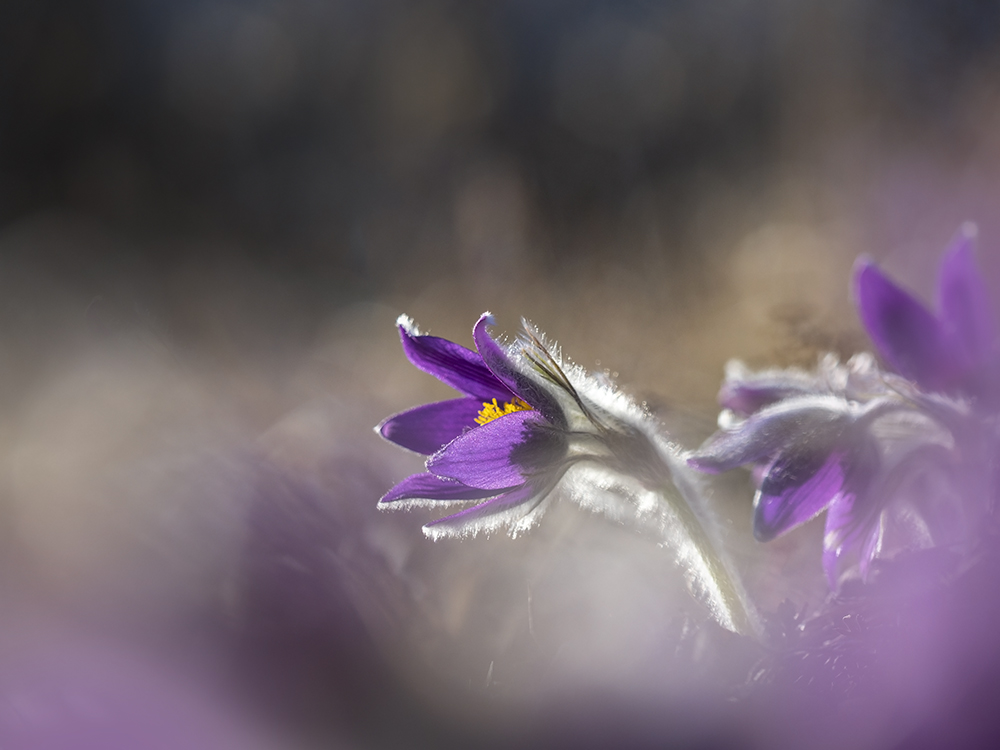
{"x":491,"y":411}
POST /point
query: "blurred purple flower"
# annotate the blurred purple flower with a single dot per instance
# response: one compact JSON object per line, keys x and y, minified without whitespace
{"x":855,"y":440}
{"x":743,"y":392}
{"x":952,"y":351}
{"x":813,"y":453}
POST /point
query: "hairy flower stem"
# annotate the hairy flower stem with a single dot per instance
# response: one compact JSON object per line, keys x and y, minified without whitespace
{"x":708,"y":570}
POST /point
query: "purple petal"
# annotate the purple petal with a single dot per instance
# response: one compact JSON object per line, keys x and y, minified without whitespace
{"x":746,"y":398}
{"x":426,"y":429}
{"x":904,"y":332}
{"x":483,"y":457}
{"x":857,"y":508}
{"x":453,"y":365}
{"x":840,"y":534}
{"x":767,"y":432}
{"x":870,"y":549}
{"x":488,"y":515}
{"x":758,"y":472}
{"x":798,"y":486}
{"x":964,"y":302}
{"x":831,"y":556}
{"x":429,"y":487}
{"x":745,"y":392}
{"x":833,"y":544}
{"x":519,"y":383}
{"x":920,"y":490}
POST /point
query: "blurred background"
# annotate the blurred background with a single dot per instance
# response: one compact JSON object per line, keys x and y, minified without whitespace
{"x":211,"y":214}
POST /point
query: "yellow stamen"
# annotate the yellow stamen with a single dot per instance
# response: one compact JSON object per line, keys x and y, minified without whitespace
{"x":491,"y":411}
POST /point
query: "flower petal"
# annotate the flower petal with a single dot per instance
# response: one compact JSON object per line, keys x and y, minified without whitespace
{"x":831,"y":558}
{"x":964,"y":302}
{"x":485,"y":457}
{"x":840,"y":534}
{"x":798,"y":486}
{"x":765,"y":433}
{"x":518,"y":382}
{"x":489,"y":516}
{"x":744,"y":392}
{"x":426,"y":429}
{"x":429,"y":487}
{"x":904,"y":332}
{"x":871,"y":548}
{"x":452,"y":364}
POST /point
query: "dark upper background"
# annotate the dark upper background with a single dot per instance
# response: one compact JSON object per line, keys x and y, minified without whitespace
{"x":342,"y":144}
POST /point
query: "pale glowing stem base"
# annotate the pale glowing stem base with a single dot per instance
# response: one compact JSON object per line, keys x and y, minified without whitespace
{"x":707,"y":569}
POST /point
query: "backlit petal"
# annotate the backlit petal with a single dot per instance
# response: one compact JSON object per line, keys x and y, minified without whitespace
{"x":452,"y":364}
{"x":964,"y":301}
{"x":904,"y":332}
{"x":842,"y":532}
{"x":871,"y":548}
{"x":429,"y":487}
{"x":836,"y":535}
{"x":765,"y":433}
{"x":426,"y":429}
{"x":489,"y":516}
{"x":513,"y":378}
{"x":798,"y":486}
{"x":744,"y":392}
{"x":482,"y":457}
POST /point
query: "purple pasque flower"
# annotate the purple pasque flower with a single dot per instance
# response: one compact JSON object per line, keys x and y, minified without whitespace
{"x":812,"y":453}
{"x":526,"y":420}
{"x":879,"y":451}
{"x":848,"y":447}
{"x":744,"y":391}
{"x":428,"y":428}
{"x":523,"y":421}
{"x":953,"y":350}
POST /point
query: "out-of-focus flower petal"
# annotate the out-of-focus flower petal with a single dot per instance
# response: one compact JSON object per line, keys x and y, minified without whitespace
{"x":840,"y":534}
{"x":518,"y":382}
{"x":429,"y":487}
{"x":758,"y":472}
{"x":834,"y":536}
{"x":798,"y":486}
{"x":426,"y":429}
{"x":904,"y":332}
{"x":488,"y":516}
{"x":451,"y":363}
{"x":744,"y":392}
{"x":482,"y":457}
{"x":964,"y":301}
{"x":925,"y":493}
{"x":871,"y":548}
{"x":765,"y":433}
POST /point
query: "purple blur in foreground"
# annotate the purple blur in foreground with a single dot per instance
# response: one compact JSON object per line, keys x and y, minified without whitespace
{"x":953,"y":351}
{"x":887,"y":458}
